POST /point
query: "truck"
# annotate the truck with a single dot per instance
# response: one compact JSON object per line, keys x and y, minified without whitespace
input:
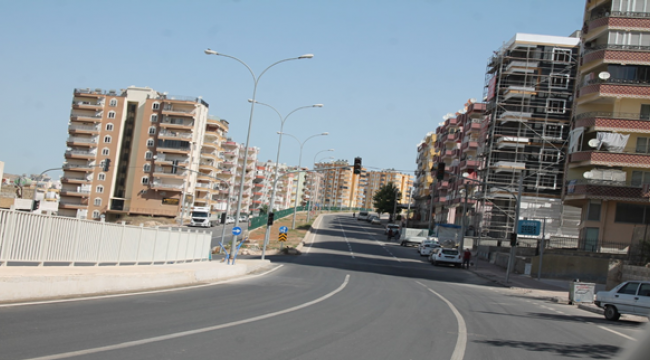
{"x":202,"y":217}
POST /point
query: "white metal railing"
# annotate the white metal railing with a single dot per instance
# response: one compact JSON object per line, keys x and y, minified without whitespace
{"x":174,"y":134}
{"x":84,"y":140}
{"x":33,"y":238}
{"x":167,"y":185}
{"x":83,"y":127}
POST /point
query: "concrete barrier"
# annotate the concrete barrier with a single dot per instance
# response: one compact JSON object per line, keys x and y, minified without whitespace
{"x":19,"y":284}
{"x":567,"y":267}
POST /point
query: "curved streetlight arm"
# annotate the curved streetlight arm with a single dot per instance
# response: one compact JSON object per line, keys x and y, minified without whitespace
{"x":322,"y":151}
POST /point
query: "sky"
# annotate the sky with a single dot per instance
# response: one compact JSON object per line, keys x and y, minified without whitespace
{"x":386,"y":71}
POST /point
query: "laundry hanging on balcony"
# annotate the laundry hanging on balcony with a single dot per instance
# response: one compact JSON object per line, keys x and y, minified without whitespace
{"x":574,"y":139}
{"x":612,"y":142}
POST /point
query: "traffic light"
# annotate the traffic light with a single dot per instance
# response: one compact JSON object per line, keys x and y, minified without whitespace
{"x":107,"y":164}
{"x":269,"y":222}
{"x":223,"y":218}
{"x":440,"y":171}
{"x":357,"y":165}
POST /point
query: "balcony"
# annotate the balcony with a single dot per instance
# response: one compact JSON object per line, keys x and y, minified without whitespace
{"x":179,"y":124}
{"x":469,"y":145}
{"x":522,"y":67}
{"x":517,"y":116}
{"x":174,"y":135}
{"x":519,"y":92}
{"x":97,"y":93}
{"x":441,"y":185}
{"x":88,"y":167}
{"x":159,"y":185}
{"x":83,"y":129}
{"x":607,"y":121}
{"x":469,"y":164}
{"x":211,"y":155}
{"x":473,"y":127}
{"x":584,"y":189}
{"x":76,"y":193}
{"x":80,"y":154}
{"x":501,"y":166}
{"x":81,"y":117}
{"x":211,"y":145}
{"x":614,"y":88}
{"x":72,"y":204}
{"x":205,"y":165}
{"x":178,"y":111}
{"x":173,"y":149}
{"x":75,"y":180}
{"x":616,"y":19}
{"x":88,"y":105}
{"x":504,"y":142}
{"x":159,"y":171}
{"x":229,"y":144}
{"x":161,"y":159}
{"x":587,"y":158}
{"x":616,"y":54}
{"x":81,"y":141}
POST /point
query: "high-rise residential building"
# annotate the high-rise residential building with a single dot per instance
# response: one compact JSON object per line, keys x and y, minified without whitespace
{"x":284,"y":188}
{"x":529,"y":100}
{"x":136,"y":151}
{"x":608,"y":168}
{"x":247,"y":205}
{"x":214,"y":175}
{"x":377,"y":179}
{"x":337,"y":183}
{"x":423,"y":180}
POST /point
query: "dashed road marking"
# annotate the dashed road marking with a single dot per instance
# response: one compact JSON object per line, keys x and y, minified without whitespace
{"x":346,"y":240}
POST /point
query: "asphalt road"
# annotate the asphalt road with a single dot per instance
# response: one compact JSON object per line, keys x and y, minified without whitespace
{"x":351,"y":295}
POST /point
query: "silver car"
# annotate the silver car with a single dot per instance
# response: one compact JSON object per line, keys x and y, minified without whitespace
{"x":630,"y":297}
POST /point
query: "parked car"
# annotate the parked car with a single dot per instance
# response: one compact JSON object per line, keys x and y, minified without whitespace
{"x":243,"y":218}
{"x":363,"y":215}
{"x":425,"y":242}
{"x":630,"y":297}
{"x":412,"y":240}
{"x":230,"y":220}
{"x":428,"y":248}
{"x":370,"y":217}
{"x":375,"y":220}
{"x":390,"y":226}
{"x":446,"y":256}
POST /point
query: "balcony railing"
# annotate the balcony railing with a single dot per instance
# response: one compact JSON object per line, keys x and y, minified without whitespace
{"x":83,"y":140}
{"x":614,"y":81}
{"x":623,"y":14}
{"x":81,"y":152}
{"x":174,"y":134}
{"x":179,"y":148}
{"x":78,"y":166}
{"x":83,"y":127}
{"x":613,"y":115}
{"x":177,"y":110}
{"x":163,"y":185}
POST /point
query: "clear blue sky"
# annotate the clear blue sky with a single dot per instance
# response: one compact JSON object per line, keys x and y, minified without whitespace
{"x":386,"y":71}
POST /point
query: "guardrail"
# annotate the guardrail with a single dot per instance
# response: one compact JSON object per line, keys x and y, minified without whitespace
{"x":33,"y":238}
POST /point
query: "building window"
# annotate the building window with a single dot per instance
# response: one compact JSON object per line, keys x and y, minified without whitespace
{"x":150,"y":143}
{"x":98,"y":202}
{"x":105,"y":151}
{"x":99,"y":189}
{"x":640,"y":177}
{"x":555,"y":106}
{"x":113,"y":102}
{"x":111,"y":114}
{"x":101,"y":176}
{"x":155,"y":106}
{"x":591,"y":238}
{"x":631,"y":214}
{"x":642,"y":145}
{"x":107,"y":139}
{"x":561,"y":55}
{"x":145,"y":180}
{"x":593,"y":211}
{"x":109,"y":127}
{"x":560,"y":81}
{"x":146,"y":168}
{"x":152,"y":130}
{"x":148,"y":155}
{"x":96,"y":214}
{"x":154,"y":117}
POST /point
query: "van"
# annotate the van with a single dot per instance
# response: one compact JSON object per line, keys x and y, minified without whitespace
{"x":363,"y":215}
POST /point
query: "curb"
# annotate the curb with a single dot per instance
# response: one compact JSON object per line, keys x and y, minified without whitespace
{"x":591,"y":309}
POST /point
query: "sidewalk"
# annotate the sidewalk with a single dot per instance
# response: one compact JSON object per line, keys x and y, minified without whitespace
{"x":33,"y":283}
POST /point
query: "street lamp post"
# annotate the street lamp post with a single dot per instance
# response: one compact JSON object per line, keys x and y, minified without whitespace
{"x":248,"y":136}
{"x":277,"y":162}
{"x":302,"y":144}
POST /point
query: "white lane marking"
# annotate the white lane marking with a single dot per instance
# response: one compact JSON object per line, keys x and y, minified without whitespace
{"x":192,"y":332}
{"x":461,"y":341}
{"x":383,"y":246}
{"x":140,"y":293}
{"x":346,"y":240}
{"x":617,"y":333}
{"x":313,"y":238}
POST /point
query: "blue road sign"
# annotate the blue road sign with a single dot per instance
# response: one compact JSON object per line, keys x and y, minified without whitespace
{"x":529,"y":227}
{"x":284,"y":229}
{"x":236,"y":230}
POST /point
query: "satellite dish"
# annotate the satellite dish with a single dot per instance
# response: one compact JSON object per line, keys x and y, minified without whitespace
{"x":593,"y":143}
{"x":446,"y":117}
{"x":604,"y":75}
{"x":451,"y":115}
{"x":588,"y":175}
{"x":472,"y":100}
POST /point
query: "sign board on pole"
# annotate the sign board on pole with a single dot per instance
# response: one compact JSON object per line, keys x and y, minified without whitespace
{"x":529,"y":227}
{"x":282,"y":237}
{"x":284,"y":229}
{"x":236,"y":230}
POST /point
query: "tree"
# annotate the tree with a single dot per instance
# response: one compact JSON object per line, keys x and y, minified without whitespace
{"x":384,"y":199}
{"x":264,"y":209}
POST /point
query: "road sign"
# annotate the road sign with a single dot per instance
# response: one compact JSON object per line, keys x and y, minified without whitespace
{"x":529,"y":227}
{"x":283,"y":229}
{"x":236,"y":230}
{"x":282,"y":237}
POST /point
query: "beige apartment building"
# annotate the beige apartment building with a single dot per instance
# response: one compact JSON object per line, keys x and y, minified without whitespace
{"x":152,"y":142}
{"x":338,"y":184}
{"x":377,"y":179}
{"x":215,"y":173}
{"x":608,"y":165}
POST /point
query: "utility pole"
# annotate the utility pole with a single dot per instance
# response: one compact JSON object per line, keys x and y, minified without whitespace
{"x":513,"y":247}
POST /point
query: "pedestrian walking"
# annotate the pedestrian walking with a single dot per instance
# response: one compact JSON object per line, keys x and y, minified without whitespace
{"x":467,"y":256}
{"x":354,"y":215}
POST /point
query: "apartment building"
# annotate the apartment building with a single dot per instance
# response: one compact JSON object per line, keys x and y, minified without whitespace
{"x":231,"y":147}
{"x":524,"y":134}
{"x":426,"y":153}
{"x":608,"y":165}
{"x":337,"y":184}
{"x":214,"y":177}
{"x":284,"y":187}
{"x":152,"y":143}
{"x":377,"y":179}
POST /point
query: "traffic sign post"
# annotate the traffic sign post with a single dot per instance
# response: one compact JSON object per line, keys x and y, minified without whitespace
{"x":529,"y":227}
{"x":236,"y":230}
{"x":284,"y":229}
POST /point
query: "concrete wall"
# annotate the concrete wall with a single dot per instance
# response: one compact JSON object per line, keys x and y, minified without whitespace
{"x":618,"y":273}
{"x":568,"y":267}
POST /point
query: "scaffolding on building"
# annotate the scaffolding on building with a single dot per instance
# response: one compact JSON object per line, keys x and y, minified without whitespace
{"x":529,"y":96}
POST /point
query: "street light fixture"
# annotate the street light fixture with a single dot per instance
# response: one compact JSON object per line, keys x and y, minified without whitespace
{"x":302,"y":144}
{"x":277,"y":162}
{"x":248,"y":136}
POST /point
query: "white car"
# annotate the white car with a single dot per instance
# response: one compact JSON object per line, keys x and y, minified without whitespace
{"x":425,"y":242}
{"x":427,"y":249}
{"x":630,"y":297}
{"x":390,"y":226}
{"x":230,"y":220}
{"x":446,"y":256}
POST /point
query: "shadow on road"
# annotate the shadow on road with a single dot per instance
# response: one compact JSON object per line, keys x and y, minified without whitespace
{"x":587,"y":351}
